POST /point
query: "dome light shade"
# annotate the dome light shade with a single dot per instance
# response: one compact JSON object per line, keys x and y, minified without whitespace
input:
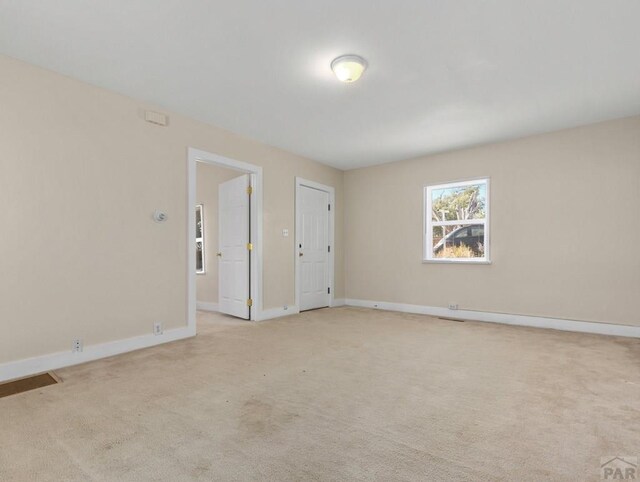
{"x":348,"y":68}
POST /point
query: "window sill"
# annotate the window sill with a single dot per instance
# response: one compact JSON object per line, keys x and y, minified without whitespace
{"x":453,"y":261}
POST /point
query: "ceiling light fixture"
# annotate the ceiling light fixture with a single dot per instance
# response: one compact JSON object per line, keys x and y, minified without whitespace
{"x":348,"y":68}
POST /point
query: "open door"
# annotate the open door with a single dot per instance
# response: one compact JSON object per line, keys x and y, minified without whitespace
{"x":312,"y":238}
{"x":234,"y":295}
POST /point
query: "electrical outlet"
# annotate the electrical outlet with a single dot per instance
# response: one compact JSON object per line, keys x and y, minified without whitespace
{"x":157,"y":328}
{"x":453,"y":306}
{"x":76,"y":346}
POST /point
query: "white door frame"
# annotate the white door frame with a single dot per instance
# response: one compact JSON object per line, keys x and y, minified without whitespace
{"x":194,"y":156}
{"x":332,"y":202}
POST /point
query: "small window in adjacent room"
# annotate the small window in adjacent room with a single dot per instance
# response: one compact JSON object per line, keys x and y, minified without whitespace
{"x":199,"y":239}
{"x":457,"y":222}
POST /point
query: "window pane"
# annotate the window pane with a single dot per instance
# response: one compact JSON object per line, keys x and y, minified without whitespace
{"x":199,"y":221}
{"x":462,"y":241}
{"x":459,"y":202}
{"x":439,"y":232}
{"x":199,"y":258}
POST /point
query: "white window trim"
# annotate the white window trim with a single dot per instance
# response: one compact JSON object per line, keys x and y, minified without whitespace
{"x":427,"y":231}
{"x":201,"y":239}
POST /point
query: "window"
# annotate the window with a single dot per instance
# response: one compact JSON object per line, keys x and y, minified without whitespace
{"x":199,"y":239}
{"x":457,"y":222}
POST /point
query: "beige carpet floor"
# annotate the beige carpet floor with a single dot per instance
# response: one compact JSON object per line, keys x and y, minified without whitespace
{"x":335,"y":394}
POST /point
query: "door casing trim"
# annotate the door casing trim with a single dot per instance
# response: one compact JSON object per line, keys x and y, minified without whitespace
{"x":332,"y":201}
{"x":193,"y":157}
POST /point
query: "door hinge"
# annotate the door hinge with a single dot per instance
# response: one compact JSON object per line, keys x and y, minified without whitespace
{"x":249,"y":246}
{"x":250,"y":190}
{"x":249,"y":302}
{"x":328,"y":291}
{"x":328,"y":249}
{"x":329,"y":207}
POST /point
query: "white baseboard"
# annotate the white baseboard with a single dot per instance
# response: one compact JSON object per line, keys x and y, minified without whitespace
{"x":520,"y":320}
{"x":271,"y":313}
{"x":53,"y":361}
{"x":267,"y":314}
{"x":206,"y":306}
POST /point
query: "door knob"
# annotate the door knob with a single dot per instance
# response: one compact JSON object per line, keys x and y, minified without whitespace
{"x":220,"y":255}
{"x":300,"y":254}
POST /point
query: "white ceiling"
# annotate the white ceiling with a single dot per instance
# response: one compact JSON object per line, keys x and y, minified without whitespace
{"x":442,"y":74}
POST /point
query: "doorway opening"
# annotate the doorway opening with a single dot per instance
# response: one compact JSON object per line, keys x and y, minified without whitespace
{"x":315,"y":232}
{"x":224,"y":238}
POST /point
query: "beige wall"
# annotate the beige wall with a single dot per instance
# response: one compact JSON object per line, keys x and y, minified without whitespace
{"x":208,"y":177}
{"x":564,"y":227}
{"x":81,"y":174}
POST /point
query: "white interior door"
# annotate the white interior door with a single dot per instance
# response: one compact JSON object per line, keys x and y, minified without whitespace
{"x":234,"y":255}
{"x":312,"y":238}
